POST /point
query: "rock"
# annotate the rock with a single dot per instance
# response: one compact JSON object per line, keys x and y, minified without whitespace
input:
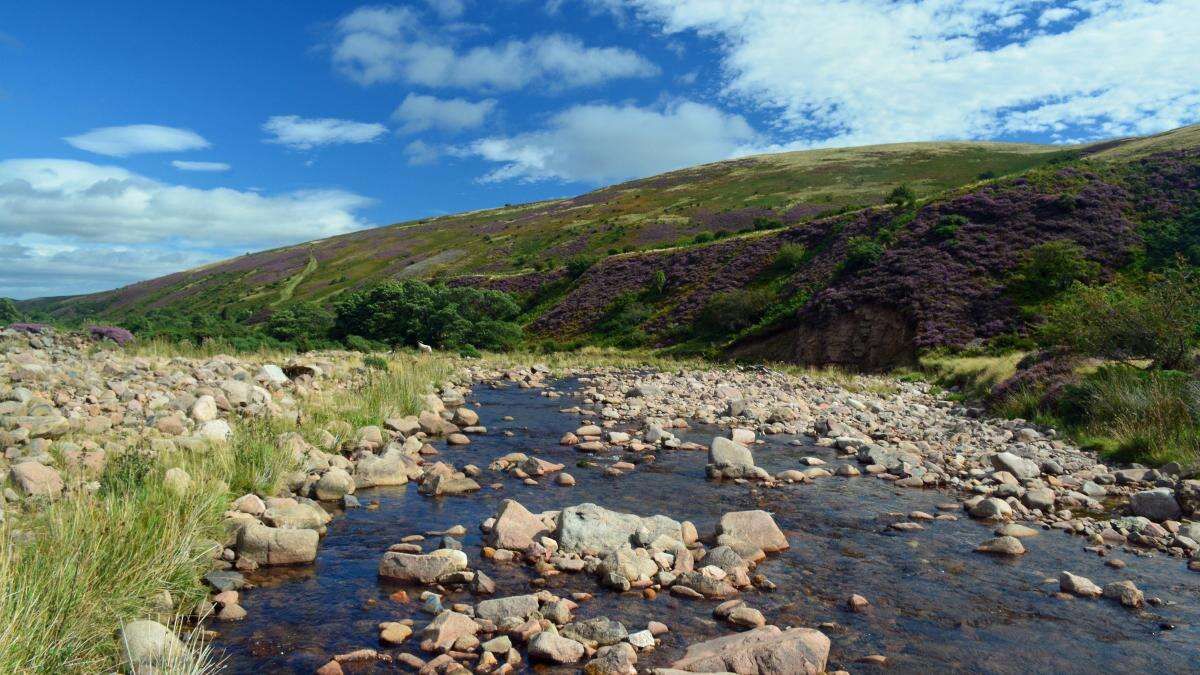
{"x":251,"y":504}
{"x":1006,"y":545}
{"x":1187,"y":493}
{"x":37,"y":480}
{"x":1039,"y":498}
{"x":519,"y":606}
{"x":149,"y":643}
{"x":729,"y":459}
{"x":763,"y":651}
{"x":448,"y":628}
{"x":334,"y":484}
{"x":643,"y":639}
{"x":992,"y":508}
{"x":565,"y":479}
{"x":547,"y":646}
{"x":1020,"y":467}
{"x":618,"y":659}
{"x":597,"y":632}
{"x":217,"y":431}
{"x":448,"y":484}
{"x":757,"y":528}
{"x":857,"y":603}
{"x":1158,"y":504}
{"x":177,"y":481}
{"x":421,"y":569}
{"x":458,"y":439}
{"x":747,"y":616}
{"x":1126,"y":593}
{"x":1077,"y":585}
{"x":741,"y":436}
{"x":392,"y":633}
{"x":588,"y":527}
{"x":272,"y":374}
{"x":392,"y":468}
{"x":1016,"y":530}
{"x":515,"y":527}
{"x":277,"y":546}
{"x":204,"y":409}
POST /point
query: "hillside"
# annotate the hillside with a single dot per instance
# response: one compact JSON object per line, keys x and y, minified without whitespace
{"x":865,"y":284}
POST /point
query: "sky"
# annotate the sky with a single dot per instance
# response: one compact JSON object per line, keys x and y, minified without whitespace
{"x":142,"y":138}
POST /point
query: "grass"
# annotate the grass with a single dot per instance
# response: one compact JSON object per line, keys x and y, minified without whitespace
{"x":74,"y":570}
{"x":1147,"y":416}
{"x":975,"y":376}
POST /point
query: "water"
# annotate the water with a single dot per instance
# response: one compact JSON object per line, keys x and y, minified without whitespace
{"x":935,"y":604}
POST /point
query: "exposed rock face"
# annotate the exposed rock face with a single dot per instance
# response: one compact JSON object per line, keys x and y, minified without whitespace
{"x":867,"y":338}
{"x":762,"y":651}
{"x":421,"y":569}
{"x":591,"y":528}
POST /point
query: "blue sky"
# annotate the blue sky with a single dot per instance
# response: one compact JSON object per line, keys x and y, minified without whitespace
{"x":138,"y":139}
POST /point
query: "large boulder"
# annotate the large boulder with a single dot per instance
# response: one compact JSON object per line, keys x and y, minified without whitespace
{"x":392,"y":468}
{"x":598,"y":632}
{"x":277,"y":546}
{"x":421,"y":568}
{"x":729,"y":459}
{"x":761,"y":651}
{"x":753,"y":527}
{"x":291,"y":514}
{"x":547,"y":646}
{"x":334,"y":484}
{"x":1158,"y":504}
{"x":448,"y":627}
{"x":515,"y":528}
{"x":37,"y":480}
{"x":148,"y":643}
{"x":592,"y":528}
{"x":1187,"y":493}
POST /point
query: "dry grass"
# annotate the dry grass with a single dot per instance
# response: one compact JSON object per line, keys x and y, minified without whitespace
{"x":973,"y":375}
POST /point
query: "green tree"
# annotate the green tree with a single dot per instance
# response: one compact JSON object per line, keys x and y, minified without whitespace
{"x":1049,"y":269}
{"x":903,"y":197}
{"x":9,"y":312}
{"x":1157,"y":321}
{"x":300,"y":322}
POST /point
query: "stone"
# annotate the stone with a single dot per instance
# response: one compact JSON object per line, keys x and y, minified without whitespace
{"x":1158,"y":504}
{"x":448,"y":627}
{"x":547,"y":646}
{"x":991,"y":508}
{"x":422,"y":569}
{"x":1077,"y":585}
{"x":618,"y":659}
{"x":334,"y":484}
{"x":1016,"y":530}
{"x":1126,"y":593}
{"x":1187,"y":493}
{"x":741,"y":436}
{"x":1020,"y":467}
{"x":217,"y":431}
{"x":37,"y":480}
{"x":764,"y":651}
{"x":519,"y":606}
{"x":642,"y":639}
{"x":1006,"y":545}
{"x":277,"y":546}
{"x":204,"y":409}
{"x":515,"y":527}
{"x":392,"y":633}
{"x":857,"y":603}
{"x":747,"y":616}
{"x":591,"y":528}
{"x":149,"y":643}
{"x":251,"y":504}
{"x":757,"y":528}
{"x":730,"y":459}
{"x":597,"y":632}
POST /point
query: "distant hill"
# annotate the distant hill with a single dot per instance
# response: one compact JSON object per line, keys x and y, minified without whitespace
{"x":718,"y":228}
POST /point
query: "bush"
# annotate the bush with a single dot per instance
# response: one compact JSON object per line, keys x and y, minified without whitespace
{"x":948,"y":226}
{"x":861,"y":253}
{"x":303,"y":323}
{"x":411,"y":311}
{"x":1049,"y":269}
{"x":375,"y":362}
{"x":1169,"y":240}
{"x":622,"y":320}
{"x":577,"y":265}
{"x":728,"y":312}
{"x":902,"y":197}
{"x":790,"y":258}
{"x":1122,"y":322}
{"x":9,"y":312}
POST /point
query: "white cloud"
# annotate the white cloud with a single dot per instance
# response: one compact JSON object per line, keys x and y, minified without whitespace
{"x":216,"y":167}
{"x":601,"y":143}
{"x":861,"y":71}
{"x":420,"y":113}
{"x":389,"y":44}
{"x":419,"y":153}
{"x":32,"y":270}
{"x":137,"y":138}
{"x":302,"y":133}
{"x":90,"y":202}
{"x":447,"y":9}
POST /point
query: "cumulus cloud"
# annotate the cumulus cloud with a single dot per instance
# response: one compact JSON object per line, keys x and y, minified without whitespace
{"x":216,"y":167}
{"x":447,"y":9}
{"x":420,"y":113}
{"x":599,"y":143}
{"x":95,"y":227}
{"x":389,"y":44}
{"x":301,"y":133}
{"x":137,"y":138}
{"x":863,"y":71}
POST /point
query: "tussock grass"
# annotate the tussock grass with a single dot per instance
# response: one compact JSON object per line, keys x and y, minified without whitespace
{"x":162,"y":348}
{"x":75,"y":570}
{"x":1151,"y":416}
{"x":973,"y":375}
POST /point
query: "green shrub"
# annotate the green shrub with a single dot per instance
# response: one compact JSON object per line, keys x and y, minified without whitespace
{"x":728,"y":312}
{"x":1157,"y":322}
{"x":9,"y":312}
{"x":1169,"y":240}
{"x":304,"y":322}
{"x":375,"y":362}
{"x":790,"y":258}
{"x":861,"y":253}
{"x":903,"y":197}
{"x":577,"y":265}
{"x":411,"y":311}
{"x":702,"y":238}
{"x":948,"y":226}
{"x":1049,"y":269}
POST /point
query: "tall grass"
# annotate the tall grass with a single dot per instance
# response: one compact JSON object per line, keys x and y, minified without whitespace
{"x":1152,"y":415}
{"x":75,"y":570}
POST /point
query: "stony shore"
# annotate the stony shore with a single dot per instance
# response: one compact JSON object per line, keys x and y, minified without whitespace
{"x":68,"y":409}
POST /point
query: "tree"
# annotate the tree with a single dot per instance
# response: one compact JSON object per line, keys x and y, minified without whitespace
{"x":9,"y":312}
{"x":1157,"y":322}
{"x":902,"y":197}
{"x":1049,"y":269}
{"x":301,"y":322}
